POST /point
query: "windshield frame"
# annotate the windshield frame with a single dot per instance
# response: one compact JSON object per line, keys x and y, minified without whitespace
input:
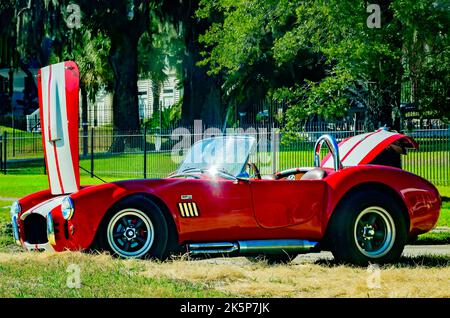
{"x":252,"y":145}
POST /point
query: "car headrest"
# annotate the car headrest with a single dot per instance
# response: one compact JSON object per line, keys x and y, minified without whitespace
{"x":314,"y":174}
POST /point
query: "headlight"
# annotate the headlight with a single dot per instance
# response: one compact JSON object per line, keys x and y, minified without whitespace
{"x":15,"y":208}
{"x":67,"y":208}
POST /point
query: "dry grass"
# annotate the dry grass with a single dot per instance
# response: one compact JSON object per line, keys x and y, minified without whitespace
{"x":412,"y":277}
{"x":308,"y":279}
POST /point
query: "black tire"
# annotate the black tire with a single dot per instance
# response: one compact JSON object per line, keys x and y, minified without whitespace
{"x":412,"y":240}
{"x":367,"y":227}
{"x":152,"y":234}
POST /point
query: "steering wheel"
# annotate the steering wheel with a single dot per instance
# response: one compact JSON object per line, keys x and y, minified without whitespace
{"x":288,"y":174}
{"x":255,"y":169}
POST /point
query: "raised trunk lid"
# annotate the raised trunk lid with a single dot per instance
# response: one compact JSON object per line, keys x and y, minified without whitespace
{"x":364,"y":148}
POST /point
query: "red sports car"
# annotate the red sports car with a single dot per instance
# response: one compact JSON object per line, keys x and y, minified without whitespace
{"x":356,"y":202}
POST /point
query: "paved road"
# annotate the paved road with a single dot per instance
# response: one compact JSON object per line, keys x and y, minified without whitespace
{"x":417,"y":250}
{"x":410,"y":251}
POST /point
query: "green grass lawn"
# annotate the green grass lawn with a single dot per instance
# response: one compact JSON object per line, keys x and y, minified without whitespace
{"x":444,"y":218}
{"x":17,"y":132}
{"x":16,"y":186}
{"x":433,"y":238}
{"x":124,"y":166}
{"x":441,"y":237}
{"x":39,"y":275}
{"x":6,"y":239}
{"x":26,"y":144}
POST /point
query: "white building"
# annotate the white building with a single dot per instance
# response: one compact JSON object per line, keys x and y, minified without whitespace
{"x":168,"y":96}
{"x":100,"y":112}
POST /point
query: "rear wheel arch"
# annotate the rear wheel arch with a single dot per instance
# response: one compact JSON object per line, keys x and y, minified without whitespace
{"x":362,"y":187}
{"x":358,"y":248}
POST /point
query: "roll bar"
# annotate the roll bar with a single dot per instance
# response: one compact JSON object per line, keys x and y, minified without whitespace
{"x":332,"y":147}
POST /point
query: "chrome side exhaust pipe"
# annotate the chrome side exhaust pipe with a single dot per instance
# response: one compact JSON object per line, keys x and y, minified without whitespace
{"x":249,"y":247}
{"x":275,"y":246}
{"x":213,"y":248}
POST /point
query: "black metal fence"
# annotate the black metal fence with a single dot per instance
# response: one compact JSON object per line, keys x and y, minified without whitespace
{"x":154,"y":154}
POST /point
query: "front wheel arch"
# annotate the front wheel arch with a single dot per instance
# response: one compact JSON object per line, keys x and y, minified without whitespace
{"x":172,"y":243}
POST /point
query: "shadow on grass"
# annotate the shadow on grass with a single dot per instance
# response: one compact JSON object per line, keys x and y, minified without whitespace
{"x":404,"y":262}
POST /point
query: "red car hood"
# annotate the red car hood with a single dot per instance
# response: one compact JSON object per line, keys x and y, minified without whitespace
{"x":58,"y":86}
{"x":362,"y":149}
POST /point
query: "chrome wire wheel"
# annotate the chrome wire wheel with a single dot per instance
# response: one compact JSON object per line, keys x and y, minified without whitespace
{"x":130,"y":233}
{"x":374,"y":232}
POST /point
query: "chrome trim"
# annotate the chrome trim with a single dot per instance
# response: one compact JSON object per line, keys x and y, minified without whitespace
{"x":253,"y":247}
{"x":368,"y":233}
{"x":15,"y":208}
{"x":115,"y":243}
{"x":275,"y":246}
{"x":38,"y":247}
{"x":50,"y":229}
{"x":67,"y":208}
{"x":15,"y":227}
{"x":24,"y":215}
{"x":213,"y":248}
{"x":332,"y":146}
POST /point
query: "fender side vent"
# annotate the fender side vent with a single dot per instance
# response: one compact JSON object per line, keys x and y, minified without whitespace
{"x":188,"y":209}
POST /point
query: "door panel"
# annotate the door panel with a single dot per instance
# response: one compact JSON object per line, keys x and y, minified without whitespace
{"x":224,"y":210}
{"x":282,"y":203}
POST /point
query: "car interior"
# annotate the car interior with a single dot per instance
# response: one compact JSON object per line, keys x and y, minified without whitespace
{"x":303,"y":173}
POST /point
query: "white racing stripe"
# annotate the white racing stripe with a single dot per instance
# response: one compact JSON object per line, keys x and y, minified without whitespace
{"x":345,"y":148}
{"x":365,"y":147}
{"x":49,"y":152}
{"x":65,"y":161}
{"x":356,"y":148}
{"x":56,"y":132}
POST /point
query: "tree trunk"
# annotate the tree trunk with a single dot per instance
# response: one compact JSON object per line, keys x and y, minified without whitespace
{"x":201,"y":92}
{"x":395,"y":100}
{"x":385,"y":98}
{"x":124,"y":62}
{"x":156,"y":88}
{"x":202,"y":97}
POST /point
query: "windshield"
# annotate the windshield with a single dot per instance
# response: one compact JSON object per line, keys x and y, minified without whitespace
{"x":227,"y":154}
